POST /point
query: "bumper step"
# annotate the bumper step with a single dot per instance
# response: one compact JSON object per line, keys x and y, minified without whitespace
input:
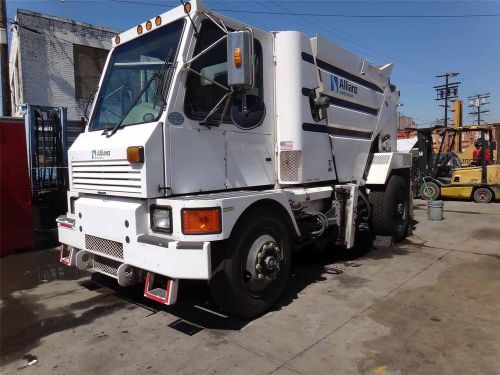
{"x":161,"y":289}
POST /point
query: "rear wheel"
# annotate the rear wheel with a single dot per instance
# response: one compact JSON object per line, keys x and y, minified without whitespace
{"x":483,"y":195}
{"x":429,"y":191}
{"x":391,"y":209}
{"x":254,"y":274}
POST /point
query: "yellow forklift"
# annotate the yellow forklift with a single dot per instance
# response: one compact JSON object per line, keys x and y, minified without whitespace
{"x":443,"y":175}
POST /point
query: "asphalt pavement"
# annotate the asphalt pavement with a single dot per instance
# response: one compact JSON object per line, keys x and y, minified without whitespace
{"x":429,"y":305}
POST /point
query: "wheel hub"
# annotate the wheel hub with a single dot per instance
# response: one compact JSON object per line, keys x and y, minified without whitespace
{"x":268,"y":262}
{"x":401,"y":208}
{"x":263,"y":264}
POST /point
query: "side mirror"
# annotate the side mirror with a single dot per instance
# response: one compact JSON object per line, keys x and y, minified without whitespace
{"x":247,"y":111}
{"x":240,"y":69}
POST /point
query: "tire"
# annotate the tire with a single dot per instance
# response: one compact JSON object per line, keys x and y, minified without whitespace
{"x":235,"y":285}
{"x":483,"y":195}
{"x":431,"y":192}
{"x":391,"y":209}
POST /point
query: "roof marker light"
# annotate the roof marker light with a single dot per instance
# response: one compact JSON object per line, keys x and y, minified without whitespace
{"x":149,"y":25}
{"x":117,"y":39}
{"x":158,"y":21}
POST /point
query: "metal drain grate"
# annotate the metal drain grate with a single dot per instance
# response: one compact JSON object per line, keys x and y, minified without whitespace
{"x":105,"y":265}
{"x":107,"y":247}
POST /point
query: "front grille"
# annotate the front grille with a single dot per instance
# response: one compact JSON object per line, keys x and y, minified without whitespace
{"x":105,"y":265}
{"x":106,"y":247}
{"x":113,"y":176}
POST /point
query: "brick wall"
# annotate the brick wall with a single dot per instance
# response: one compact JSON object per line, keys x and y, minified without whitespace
{"x":46,"y":58}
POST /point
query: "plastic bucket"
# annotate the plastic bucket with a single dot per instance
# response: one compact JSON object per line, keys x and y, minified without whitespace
{"x":435,"y":210}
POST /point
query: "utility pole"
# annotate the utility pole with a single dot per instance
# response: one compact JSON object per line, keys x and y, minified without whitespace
{"x":446,"y":92}
{"x":4,"y":61}
{"x":477,"y":101}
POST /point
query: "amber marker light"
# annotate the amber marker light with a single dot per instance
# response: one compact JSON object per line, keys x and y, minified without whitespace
{"x":117,"y":39}
{"x":149,"y":25}
{"x":237,"y":57}
{"x":158,"y":21}
{"x":201,"y":220}
{"x":187,"y":7}
{"x":139,"y":29}
{"x":135,"y":154}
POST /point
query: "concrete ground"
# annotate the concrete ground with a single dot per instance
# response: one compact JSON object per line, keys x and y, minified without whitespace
{"x":430,"y":305}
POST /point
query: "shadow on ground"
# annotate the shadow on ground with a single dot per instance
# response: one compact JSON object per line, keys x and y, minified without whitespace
{"x":25,"y":319}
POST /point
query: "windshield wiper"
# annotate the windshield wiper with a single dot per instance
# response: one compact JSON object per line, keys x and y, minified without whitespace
{"x":161,"y":75}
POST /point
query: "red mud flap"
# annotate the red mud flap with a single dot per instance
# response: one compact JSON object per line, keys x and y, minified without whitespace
{"x":67,"y":255}
{"x":154,"y":289}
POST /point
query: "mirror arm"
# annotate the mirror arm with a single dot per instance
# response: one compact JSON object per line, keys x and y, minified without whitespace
{"x":221,"y":26}
{"x":208,"y":79}
{"x":204,"y":51}
{"x":228,"y":94}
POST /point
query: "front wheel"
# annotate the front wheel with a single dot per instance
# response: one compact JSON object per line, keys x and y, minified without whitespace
{"x":391,"y":209}
{"x":254,"y":273}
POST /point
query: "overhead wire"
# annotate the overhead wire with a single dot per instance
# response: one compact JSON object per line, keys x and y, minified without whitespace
{"x":343,"y":36}
{"x":340,"y":15}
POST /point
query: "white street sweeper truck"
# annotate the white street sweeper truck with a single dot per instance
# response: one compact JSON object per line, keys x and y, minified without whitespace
{"x":214,"y":150}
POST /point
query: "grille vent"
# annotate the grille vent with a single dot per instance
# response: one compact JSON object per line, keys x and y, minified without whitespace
{"x":105,"y":265}
{"x":381,"y":159}
{"x":291,"y":166}
{"x":106,"y":247}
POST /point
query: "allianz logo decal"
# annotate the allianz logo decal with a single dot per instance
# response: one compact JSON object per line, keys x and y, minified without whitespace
{"x":99,"y":154}
{"x":343,"y":86}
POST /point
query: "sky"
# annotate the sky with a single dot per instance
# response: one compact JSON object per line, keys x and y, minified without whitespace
{"x":421,"y":45}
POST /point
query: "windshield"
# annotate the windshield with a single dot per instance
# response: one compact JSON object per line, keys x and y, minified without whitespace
{"x":130,"y":68}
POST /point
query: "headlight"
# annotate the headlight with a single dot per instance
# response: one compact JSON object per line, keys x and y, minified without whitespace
{"x":161,"y":219}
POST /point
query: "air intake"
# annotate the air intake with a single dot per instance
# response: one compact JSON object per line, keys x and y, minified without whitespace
{"x":291,"y":166}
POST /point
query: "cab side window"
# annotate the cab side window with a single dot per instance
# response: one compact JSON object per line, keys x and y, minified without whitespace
{"x":201,"y":94}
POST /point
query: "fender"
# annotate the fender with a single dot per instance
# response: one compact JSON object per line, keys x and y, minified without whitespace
{"x":383,"y":163}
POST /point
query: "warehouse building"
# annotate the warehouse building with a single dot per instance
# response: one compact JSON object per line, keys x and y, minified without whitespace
{"x":56,"y":62}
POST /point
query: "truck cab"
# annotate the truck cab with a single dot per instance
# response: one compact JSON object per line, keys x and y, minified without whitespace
{"x":214,"y":149}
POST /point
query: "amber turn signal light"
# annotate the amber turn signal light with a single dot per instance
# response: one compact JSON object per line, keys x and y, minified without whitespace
{"x":237,"y":57}
{"x":135,"y":154}
{"x":201,"y":220}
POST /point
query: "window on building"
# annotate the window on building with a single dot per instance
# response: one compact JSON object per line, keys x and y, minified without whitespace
{"x":201,"y":94}
{"x":88,"y":64}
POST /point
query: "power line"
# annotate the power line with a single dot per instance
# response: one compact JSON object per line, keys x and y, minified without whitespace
{"x":476,"y":102}
{"x":340,"y":15}
{"x":446,"y":92}
{"x":343,"y":36}
{"x":363,"y":15}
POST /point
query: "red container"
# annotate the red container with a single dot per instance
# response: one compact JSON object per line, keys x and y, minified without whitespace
{"x":16,"y":220}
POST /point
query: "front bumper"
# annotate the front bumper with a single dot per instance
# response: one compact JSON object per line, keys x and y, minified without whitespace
{"x":111,"y":232}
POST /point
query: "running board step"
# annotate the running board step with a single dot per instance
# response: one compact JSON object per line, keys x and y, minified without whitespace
{"x":67,"y":255}
{"x":161,"y":289}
